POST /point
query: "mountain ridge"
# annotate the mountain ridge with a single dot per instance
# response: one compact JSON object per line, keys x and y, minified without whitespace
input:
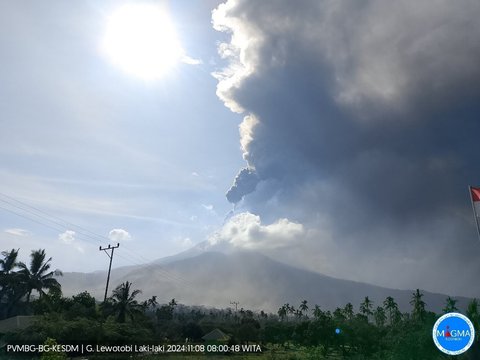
{"x":258,"y":282}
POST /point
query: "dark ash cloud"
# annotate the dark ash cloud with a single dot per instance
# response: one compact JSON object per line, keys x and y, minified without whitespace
{"x":245,"y":182}
{"x":362,"y":118}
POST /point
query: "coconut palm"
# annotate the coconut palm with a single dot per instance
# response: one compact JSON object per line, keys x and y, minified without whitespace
{"x":366,"y":307}
{"x":472,"y":313}
{"x":303,"y":308}
{"x":37,"y":276}
{"x":348,"y":311}
{"x":7,"y":264}
{"x":123,"y":302}
{"x":418,"y":311}
{"x":11,"y":289}
{"x":450,"y":305}
{"x":317,"y":312}
{"x":379,"y":316}
{"x":150,"y":304}
{"x":282,"y":312}
{"x":9,"y":261}
{"x":391,"y":307}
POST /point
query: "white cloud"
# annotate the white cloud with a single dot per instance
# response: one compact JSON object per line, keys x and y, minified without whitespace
{"x":208,"y":207}
{"x":185,"y":243}
{"x":119,"y":235}
{"x":18,"y":232}
{"x":191,"y":61}
{"x":246,"y":231}
{"x":67,"y":237}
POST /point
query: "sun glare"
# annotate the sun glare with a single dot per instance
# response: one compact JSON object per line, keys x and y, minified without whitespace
{"x":141,"y":40}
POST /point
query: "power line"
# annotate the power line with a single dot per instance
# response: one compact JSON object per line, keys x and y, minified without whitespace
{"x":112,"y":248}
{"x":84,"y":234}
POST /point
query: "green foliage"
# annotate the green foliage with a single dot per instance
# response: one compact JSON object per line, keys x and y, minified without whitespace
{"x":18,"y":281}
{"x":52,"y":355}
{"x":303,"y":332}
{"x":418,"y":311}
{"x":450,"y":305}
{"x":123,"y":304}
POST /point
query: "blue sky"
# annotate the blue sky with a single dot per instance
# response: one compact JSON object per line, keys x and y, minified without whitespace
{"x":348,"y":130}
{"x":85,"y":141}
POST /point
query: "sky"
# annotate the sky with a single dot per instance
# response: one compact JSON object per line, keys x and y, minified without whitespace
{"x":89,"y":143}
{"x":337,"y":136}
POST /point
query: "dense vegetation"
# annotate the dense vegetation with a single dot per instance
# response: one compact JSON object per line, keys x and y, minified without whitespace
{"x":375,"y":331}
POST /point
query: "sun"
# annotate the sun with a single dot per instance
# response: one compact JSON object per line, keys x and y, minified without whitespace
{"x":141,"y":40}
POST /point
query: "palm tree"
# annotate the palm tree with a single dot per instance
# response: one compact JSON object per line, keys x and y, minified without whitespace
{"x":290,"y":309}
{"x":37,"y":276}
{"x":391,"y":307}
{"x":450,"y":305}
{"x":348,"y":311}
{"x":150,"y":303}
{"x":379,"y":316}
{"x":282,"y":312}
{"x":11,"y":289}
{"x":9,"y":261}
{"x":173,"y":303}
{"x":366,"y":307}
{"x":472,"y":313}
{"x":418,"y":311}
{"x":317,"y":312}
{"x":7,"y":264}
{"x":303,"y":308}
{"x":338,"y":315}
{"x":124,"y":303}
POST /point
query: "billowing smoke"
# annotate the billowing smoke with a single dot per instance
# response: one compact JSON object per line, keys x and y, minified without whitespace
{"x":361,"y":118}
{"x":245,"y":231}
{"x":244,"y":183}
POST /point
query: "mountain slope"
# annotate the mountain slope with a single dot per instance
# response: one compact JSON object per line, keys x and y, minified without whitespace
{"x":256,"y":281}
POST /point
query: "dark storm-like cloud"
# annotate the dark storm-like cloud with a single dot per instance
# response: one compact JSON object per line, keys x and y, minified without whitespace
{"x":244,"y":183}
{"x":363,"y":114}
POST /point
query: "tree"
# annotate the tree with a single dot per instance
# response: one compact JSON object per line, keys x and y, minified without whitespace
{"x":379,"y":316}
{"x":165,"y":312}
{"x":317,"y":312}
{"x":303,"y":308}
{"x":82,"y":305}
{"x":173,"y":303}
{"x":9,"y":261}
{"x":290,"y":309}
{"x":37,"y":276}
{"x":282,"y":312}
{"x":472,"y":313}
{"x":392,"y":308}
{"x":124,"y":303}
{"x":348,"y":311}
{"x":450,"y":305}
{"x":418,"y":311}
{"x":150,"y":303}
{"x":10,"y":287}
{"x":339,"y":315}
{"x":366,"y":307}
{"x":52,"y":355}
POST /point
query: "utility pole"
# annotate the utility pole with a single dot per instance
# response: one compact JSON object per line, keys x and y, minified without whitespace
{"x":112,"y":248}
{"x":236,"y":306}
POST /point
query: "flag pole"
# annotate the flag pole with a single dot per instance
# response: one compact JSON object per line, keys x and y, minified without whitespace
{"x":475,"y":215}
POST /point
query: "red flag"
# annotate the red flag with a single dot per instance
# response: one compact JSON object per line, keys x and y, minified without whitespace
{"x":475,"y":193}
{"x":475,"y":196}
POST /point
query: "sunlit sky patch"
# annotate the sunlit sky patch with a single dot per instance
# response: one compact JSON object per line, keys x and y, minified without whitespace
{"x":141,"y":39}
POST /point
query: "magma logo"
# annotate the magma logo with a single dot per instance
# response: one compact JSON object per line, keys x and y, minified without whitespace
{"x":453,"y":333}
